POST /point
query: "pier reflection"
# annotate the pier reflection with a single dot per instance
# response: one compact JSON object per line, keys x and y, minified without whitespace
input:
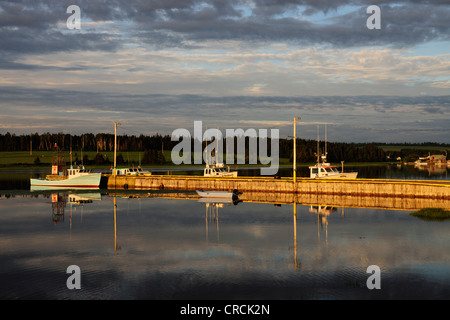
{"x":309,"y":199}
{"x":314,"y":201}
{"x":60,"y":200}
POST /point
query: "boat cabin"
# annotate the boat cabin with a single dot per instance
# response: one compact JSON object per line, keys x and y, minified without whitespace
{"x":218,"y":171}
{"x":78,"y":172}
{"x":323,"y":171}
{"x":132,"y":172}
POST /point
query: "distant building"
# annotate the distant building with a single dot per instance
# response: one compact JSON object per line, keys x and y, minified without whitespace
{"x":431,"y":159}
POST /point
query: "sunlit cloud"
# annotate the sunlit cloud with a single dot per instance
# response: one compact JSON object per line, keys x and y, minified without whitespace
{"x":161,"y":65}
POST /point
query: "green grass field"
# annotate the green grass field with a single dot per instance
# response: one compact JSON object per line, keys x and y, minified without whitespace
{"x":420,"y":147}
{"x":24,"y":159}
{"x":45,"y":157}
{"x":432,"y":214}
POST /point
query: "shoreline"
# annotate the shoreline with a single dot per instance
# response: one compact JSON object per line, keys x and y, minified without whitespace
{"x":45,"y":166}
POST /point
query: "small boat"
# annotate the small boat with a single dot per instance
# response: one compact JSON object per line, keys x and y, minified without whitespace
{"x":325,"y":170}
{"x":78,"y":178}
{"x":217,"y":170}
{"x":62,"y":178}
{"x":219,"y":194}
{"x":133,"y":172}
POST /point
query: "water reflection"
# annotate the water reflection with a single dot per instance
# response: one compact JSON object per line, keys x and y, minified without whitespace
{"x":169,"y":245}
{"x":60,"y":200}
{"x":212,"y":214}
{"x":322,"y":213}
{"x":434,"y":170}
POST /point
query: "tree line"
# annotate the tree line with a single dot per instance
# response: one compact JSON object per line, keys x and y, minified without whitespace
{"x":153,"y":147}
{"x":88,"y":142}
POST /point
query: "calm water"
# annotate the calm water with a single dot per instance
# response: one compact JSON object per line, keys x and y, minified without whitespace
{"x":157,"y":247}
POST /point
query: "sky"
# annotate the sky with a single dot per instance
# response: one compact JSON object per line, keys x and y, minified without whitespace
{"x":157,"y":66}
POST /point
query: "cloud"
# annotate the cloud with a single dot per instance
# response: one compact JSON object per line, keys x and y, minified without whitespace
{"x":352,"y":117}
{"x":29,"y":26}
{"x":162,"y":64}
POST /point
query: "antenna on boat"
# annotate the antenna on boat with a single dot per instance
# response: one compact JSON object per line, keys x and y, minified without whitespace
{"x":325,"y":142}
{"x":206,"y":147}
{"x":217,"y":147}
{"x":115,"y":145}
{"x":318,"y":147}
{"x":71,"y":166}
{"x":82,"y":146}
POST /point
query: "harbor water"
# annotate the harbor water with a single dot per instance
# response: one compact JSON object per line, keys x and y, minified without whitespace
{"x":164,"y":245}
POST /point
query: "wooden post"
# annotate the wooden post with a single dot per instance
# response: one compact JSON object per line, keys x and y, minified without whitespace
{"x":115,"y":145}
{"x":295,"y":156}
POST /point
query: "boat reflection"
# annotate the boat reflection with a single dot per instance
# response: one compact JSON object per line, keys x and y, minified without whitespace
{"x":60,"y":201}
{"x":322,"y":212}
{"x":212,"y":206}
{"x":436,"y":169}
{"x":58,"y":206}
{"x":74,"y":200}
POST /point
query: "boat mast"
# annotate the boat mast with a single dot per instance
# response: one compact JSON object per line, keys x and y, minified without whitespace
{"x":82,"y":146}
{"x":325,"y":157}
{"x":115,"y":145}
{"x":206,"y":147}
{"x":294,"y":162}
{"x":318,"y":147}
{"x":217,"y":147}
{"x":71,"y":166}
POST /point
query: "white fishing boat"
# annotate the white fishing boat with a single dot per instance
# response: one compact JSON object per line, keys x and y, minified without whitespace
{"x":218,"y":170}
{"x":422,"y":161}
{"x":62,"y":178}
{"x":133,"y":172}
{"x":324,"y":170}
{"x":79,"y":178}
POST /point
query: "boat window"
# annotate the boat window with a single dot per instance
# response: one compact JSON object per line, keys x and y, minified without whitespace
{"x":314,"y":170}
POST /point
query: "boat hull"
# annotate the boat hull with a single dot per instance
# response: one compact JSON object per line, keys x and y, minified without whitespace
{"x":215,"y":194}
{"x":349,"y":175}
{"x":91,"y":181}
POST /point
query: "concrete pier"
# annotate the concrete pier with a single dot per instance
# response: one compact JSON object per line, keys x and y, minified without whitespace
{"x":387,"y":188}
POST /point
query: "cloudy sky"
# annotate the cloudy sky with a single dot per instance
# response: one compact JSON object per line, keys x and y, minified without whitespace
{"x":158,"y":65}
